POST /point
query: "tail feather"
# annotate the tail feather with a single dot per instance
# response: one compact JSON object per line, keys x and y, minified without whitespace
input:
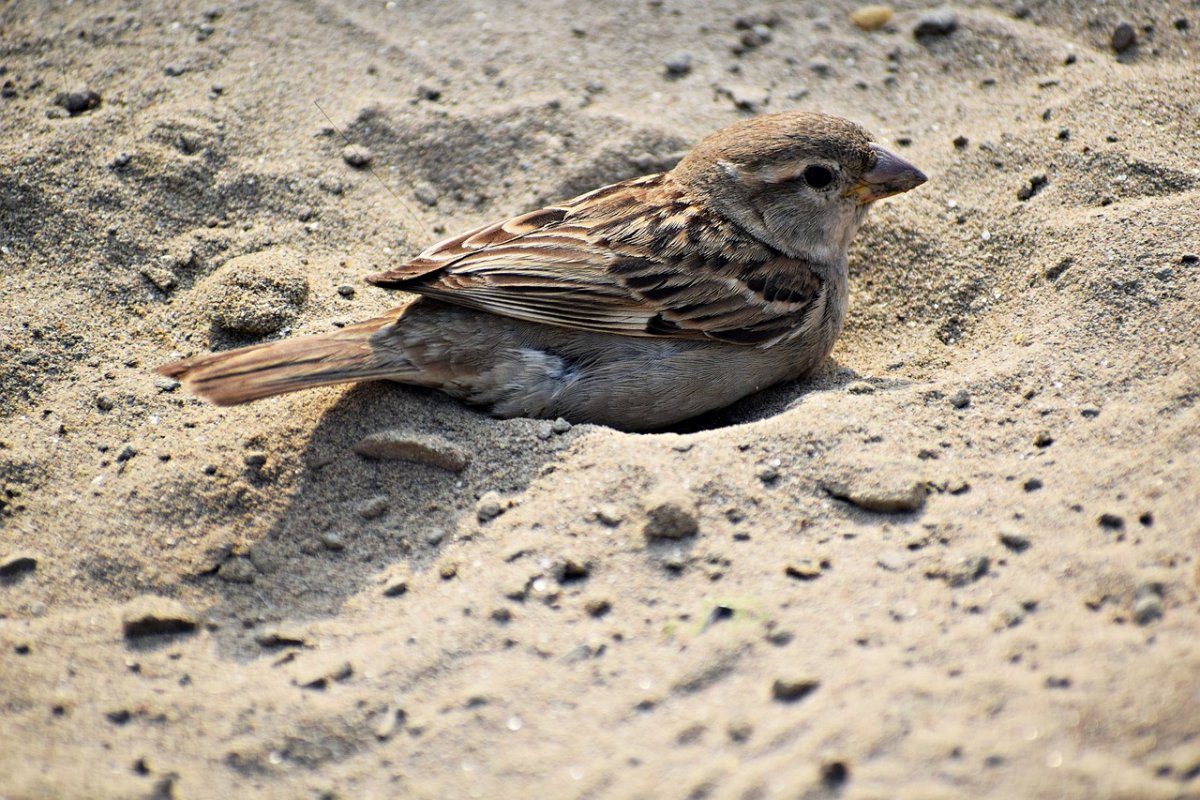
{"x":251,"y":373}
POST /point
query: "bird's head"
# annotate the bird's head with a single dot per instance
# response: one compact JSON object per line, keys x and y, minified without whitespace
{"x":801,"y":182}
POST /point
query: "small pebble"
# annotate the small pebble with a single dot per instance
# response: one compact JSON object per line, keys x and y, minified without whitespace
{"x":941,"y":22}
{"x":860,"y":387}
{"x":16,"y":565}
{"x":332,"y":540}
{"x":965,"y":571}
{"x":416,"y":448}
{"x":175,"y":70}
{"x":884,"y":494}
{"x":597,"y":607}
{"x":1124,"y":36}
{"x":319,"y":675}
{"x":489,"y":506}
{"x":1016,"y":542}
{"x":255,"y":460}
{"x":544,"y":431}
{"x":560,"y":426}
{"x":767,"y":473}
{"x":238,"y":570}
{"x":78,"y":101}
{"x":373,"y":508}
{"x":104,"y":402}
{"x":1043,"y":439}
{"x":347,"y":291}
{"x":960,"y":399}
{"x":792,"y":689}
{"x":670,"y":515}
{"x":1111,"y":522}
{"x":678,"y":65}
{"x":805,"y":569}
{"x":281,"y":636}
{"x":1036,"y":184}
{"x":356,"y":156}
{"x":150,"y":615}
{"x":395,"y":587}
{"x":1147,"y":603}
{"x":747,"y":98}
{"x":609,"y":515}
{"x":871,"y":18}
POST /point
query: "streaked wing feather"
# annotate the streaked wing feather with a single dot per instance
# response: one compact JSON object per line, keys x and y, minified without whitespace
{"x":631,"y":259}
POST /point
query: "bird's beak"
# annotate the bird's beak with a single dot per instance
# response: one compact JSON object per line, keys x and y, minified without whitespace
{"x":890,"y":175}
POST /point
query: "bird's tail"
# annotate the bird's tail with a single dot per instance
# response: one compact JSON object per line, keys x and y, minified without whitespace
{"x":263,"y":370}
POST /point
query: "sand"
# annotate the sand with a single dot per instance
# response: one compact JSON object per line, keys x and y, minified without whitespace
{"x":959,"y":561}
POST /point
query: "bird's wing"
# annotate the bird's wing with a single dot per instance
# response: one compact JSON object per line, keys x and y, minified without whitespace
{"x":634,"y":259}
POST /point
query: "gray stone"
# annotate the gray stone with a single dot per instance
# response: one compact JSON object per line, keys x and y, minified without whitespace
{"x":357,"y":156}
{"x":883,"y":494}
{"x":373,"y":508}
{"x":1124,"y":36}
{"x":417,"y":448}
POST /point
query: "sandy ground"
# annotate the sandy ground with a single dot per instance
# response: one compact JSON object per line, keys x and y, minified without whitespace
{"x":961,"y":561}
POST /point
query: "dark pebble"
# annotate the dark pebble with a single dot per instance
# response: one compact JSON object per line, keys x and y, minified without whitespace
{"x":678,"y":65}
{"x":834,"y":774}
{"x":175,"y":70}
{"x":961,"y":142}
{"x":78,"y":101}
{"x":1124,"y":36}
{"x":1036,"y":184}
{"x":1014,"y":541}
{"x":16,"y":565}
{"x":942,"y":22}
{"x":1070,"y":59}
{"x":1043,"y":439}
{"x":347,"y":291}
{"x":960,"y":399}
{"x":1111,"y":522}
{"x":1064,"y":134}
{"x":396,"y":587}
{"x":150,"y":615}
{"x":791,"y":690}
{"x":1032,"y":485}
{"x":1181,"y":24}
{"x":1188,"y":258}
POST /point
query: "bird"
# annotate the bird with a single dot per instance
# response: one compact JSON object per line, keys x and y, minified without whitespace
{"x":636,"y":306}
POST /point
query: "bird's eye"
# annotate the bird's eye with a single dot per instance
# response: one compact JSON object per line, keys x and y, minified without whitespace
{"x":817,"y":177}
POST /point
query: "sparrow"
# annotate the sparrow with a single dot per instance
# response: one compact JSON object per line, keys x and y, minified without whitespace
{"x":636,"y":306}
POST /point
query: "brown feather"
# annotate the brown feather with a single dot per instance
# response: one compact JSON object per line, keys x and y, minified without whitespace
{"x":251,"y":373}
